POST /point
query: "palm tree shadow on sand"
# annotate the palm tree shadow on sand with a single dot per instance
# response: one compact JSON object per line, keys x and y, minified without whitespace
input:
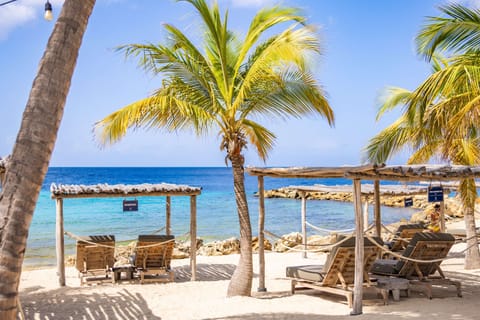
{"x":205,"y":272}
{"x":65,"y":303}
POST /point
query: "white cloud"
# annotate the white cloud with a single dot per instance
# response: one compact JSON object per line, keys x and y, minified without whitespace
{"x":20,"y":12}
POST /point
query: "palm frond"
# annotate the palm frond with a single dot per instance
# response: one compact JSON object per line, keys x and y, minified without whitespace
{"x":389,"y":141}
{"x":260,"y":137}
{"x":391,"y":98}
{"x":458,"y":32}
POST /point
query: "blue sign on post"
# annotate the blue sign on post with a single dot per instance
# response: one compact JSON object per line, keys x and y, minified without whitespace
{"x":408,"y":202}
{"x":130,"y":205}
{"x":435,"y":194}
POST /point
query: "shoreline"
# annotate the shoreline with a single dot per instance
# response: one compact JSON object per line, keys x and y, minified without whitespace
{"x":224,"y":247}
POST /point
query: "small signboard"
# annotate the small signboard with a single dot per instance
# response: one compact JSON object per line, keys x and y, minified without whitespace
{"x":408,"y":202}
{"x":130,"y":205}
{"x":435,"y":194}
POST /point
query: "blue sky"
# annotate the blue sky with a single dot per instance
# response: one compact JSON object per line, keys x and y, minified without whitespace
{"x":367,"y":45}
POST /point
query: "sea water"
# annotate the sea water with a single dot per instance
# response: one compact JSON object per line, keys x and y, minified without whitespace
{"x":216,"y":210}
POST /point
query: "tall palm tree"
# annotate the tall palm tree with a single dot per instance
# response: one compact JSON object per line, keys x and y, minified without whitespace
{"x":457,"y":33}
{"x":227,"y":86}
{"x":432,"y":126}
{"x":31,"y":154}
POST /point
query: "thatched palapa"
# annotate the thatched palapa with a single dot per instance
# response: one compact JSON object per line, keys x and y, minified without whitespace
{"x":370,"y":172}
{"x":61,"y":191}
{"x":121,"y":190}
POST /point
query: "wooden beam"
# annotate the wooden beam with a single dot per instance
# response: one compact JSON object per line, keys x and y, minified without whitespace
{"x":376,"y":208}
{"x":123,"y":195}
{"x":193,"y":237}
{"x":359,"y":249}
{"x":261,"y":235}
{"x":442,"y":216}
{"x":365,"y":213}
{"x":60,"y":245}
{"x":168,"y":215}
{"x":304,"y":224}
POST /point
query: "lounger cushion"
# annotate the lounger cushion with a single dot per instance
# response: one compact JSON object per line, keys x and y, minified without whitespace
{"x":385,"y":267}
{"x":307,"y":272}
{"x":155,"y":237}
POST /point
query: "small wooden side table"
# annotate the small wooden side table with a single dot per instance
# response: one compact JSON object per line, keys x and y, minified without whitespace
{"x":385,"y":285}
{"x":125,"y":269}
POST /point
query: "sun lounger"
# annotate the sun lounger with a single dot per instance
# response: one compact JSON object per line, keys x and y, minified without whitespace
{"x":402,"y":236}
{"x":153,"y":255}
{"x":95,"y":258}
{"x":338,"y":274}
{"x":424,"y":246}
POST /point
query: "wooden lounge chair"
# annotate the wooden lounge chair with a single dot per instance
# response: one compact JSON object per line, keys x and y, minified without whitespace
{"x":338,"y":274}
{"x":94,"y":262}
{"x":403,"y":235}
{"x":424,"y":246}
{"x":153,"y":255}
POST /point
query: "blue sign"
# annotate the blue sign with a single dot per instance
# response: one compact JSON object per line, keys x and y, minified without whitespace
{"x":435,"y":194}
{"x":130,"y":205}
{"x":408,"y":202}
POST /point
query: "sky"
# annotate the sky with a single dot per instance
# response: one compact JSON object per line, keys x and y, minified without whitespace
{"x":367,"y":45}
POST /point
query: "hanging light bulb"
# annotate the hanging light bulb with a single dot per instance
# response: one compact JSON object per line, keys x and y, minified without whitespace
{"x":48,"y":11}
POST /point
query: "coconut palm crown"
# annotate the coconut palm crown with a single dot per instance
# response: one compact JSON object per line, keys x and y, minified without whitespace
{"x":442,"y":115}
{"x":228,"y":85}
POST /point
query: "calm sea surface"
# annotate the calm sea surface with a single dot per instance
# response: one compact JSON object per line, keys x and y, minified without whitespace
{"x":216,"y":213}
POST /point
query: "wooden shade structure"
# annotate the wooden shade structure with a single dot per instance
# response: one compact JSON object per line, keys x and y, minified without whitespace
{"x":375,"y":173}
{"x":60,"y":192}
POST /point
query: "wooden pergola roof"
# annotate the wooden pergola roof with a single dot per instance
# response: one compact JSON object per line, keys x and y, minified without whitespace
{"x":374,"y":172}
{"x":121,"y":190}
{"x":368,"y":189}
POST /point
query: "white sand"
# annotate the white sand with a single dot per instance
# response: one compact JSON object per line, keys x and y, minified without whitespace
{"x":41,"y":297}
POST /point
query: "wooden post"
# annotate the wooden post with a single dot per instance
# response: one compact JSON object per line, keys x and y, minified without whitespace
{"x":359,"y":249}
{"x":365,"y":213}
{"x":193,"y":237}
{"x":60,"y":247}
{"x":261,"y":235}
{"x":168,"y":215}
{"x":442,"y":216}
{"x":304,"y":223}
{"x":376,"y":208}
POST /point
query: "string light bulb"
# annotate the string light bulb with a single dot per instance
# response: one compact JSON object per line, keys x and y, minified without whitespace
{"x":48,"y":11}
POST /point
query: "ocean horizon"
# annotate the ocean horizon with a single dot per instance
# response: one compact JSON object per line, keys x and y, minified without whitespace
{"x":216,"y":209}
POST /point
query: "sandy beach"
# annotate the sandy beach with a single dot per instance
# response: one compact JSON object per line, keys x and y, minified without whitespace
{"x":41,"y":298}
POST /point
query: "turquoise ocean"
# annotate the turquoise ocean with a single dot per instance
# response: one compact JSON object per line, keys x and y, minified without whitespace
{"x":216,"y":211}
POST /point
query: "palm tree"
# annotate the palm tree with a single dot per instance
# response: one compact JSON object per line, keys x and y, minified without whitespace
{"x":432,"y":125}
{"x":29,"y":160}
{"x":458,"y":33}
{"x":227,"y":86}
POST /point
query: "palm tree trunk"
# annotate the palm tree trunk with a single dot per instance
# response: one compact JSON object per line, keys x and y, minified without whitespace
{"x":469,"y":194}
{"x":34,"y":145}
{"x":241,"y":282}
